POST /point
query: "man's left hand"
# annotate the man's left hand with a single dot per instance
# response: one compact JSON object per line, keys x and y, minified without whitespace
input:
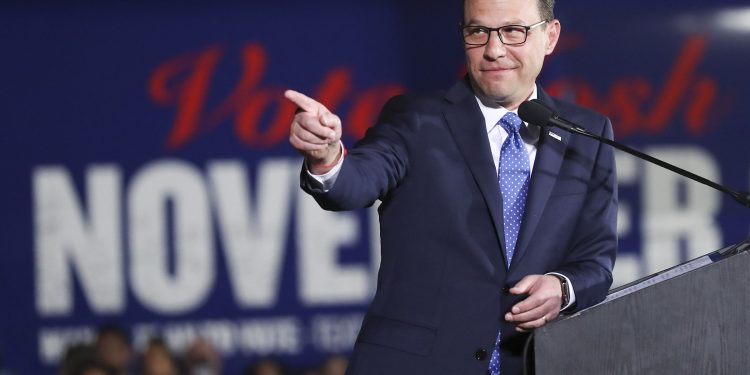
{"x":542,"y":304}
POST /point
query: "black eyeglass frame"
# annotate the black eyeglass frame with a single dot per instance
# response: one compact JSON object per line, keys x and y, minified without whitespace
{"x":526,"y":29}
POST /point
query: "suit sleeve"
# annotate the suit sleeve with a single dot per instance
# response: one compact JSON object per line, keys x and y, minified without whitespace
{"x":375,"y":165}
{"x":592,"y":252}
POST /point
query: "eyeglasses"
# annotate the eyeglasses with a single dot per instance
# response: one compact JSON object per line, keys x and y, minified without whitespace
{"x":510,"y":35}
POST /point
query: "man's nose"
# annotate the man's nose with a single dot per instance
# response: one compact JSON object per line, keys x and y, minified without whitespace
{"x":494,"y":49}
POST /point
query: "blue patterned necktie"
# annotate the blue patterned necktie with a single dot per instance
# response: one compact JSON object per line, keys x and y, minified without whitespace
{"x":513,"y":176}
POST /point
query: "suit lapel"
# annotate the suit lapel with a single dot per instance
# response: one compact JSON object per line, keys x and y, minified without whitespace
{"x":549,"y":158}
{"x":466,"y":124}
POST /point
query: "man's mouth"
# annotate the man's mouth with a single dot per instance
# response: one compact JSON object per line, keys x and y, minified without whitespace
{"x":497,"y":69}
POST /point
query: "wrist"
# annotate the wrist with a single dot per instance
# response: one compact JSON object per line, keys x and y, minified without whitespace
{"x":565,"y":294}
{"x":322,"y":166}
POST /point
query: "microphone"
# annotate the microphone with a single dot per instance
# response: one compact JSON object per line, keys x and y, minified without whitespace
{"x":538,"y":113}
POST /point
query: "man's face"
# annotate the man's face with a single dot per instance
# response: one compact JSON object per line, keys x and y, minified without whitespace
{"x":506,"y":74}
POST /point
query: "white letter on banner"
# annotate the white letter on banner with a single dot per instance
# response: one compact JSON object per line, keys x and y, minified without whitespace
{"x":629,"y":264}
{"x":322,"y":280}
{"x":678,"y":210}
{"x":68,"y":241}
{"x":254,"y":231}
{"x":163,"y":193}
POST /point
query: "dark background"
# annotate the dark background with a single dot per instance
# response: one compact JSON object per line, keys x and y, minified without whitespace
{"x":79,"y":86}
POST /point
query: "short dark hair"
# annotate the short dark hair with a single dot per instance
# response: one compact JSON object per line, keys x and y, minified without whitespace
{"x":546,"y":9}
{"x":113,"y":329}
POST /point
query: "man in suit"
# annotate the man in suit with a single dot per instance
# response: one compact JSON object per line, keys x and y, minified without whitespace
{"x":489,"y":227}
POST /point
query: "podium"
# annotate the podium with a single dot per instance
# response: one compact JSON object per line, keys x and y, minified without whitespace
{"x":690,"y":319}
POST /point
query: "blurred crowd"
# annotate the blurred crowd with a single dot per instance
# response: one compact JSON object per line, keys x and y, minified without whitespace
{"x":111,"y":353}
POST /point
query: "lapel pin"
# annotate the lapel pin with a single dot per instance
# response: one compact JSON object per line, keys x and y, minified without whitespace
{"x":555,"y":136}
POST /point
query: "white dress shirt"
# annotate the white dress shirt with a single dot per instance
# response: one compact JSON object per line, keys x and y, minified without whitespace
{"x":497,"y":135}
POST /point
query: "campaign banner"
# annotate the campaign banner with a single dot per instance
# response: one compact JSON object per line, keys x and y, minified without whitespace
{"x":148,"y":180}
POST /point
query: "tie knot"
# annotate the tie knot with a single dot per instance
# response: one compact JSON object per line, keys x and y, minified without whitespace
{"x":511,"y":122}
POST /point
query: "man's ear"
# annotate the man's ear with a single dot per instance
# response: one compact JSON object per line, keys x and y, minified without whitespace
{"x":553,"y":35}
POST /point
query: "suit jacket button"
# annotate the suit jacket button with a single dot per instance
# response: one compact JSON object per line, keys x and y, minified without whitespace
{"x":480,"y":354}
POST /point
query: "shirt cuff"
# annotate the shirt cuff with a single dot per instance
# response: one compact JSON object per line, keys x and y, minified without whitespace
{"x":327,"y":179}
{"x":571,"y":292}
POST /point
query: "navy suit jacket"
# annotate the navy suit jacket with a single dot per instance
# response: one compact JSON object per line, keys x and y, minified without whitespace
{"x":443,"y":283}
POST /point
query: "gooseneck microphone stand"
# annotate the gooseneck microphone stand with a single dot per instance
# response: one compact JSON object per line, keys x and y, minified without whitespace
{"x":537,"y":113}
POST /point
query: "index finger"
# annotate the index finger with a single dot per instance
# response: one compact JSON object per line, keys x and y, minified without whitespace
{"x":523,"y":286}
{"x":528,"y":304}
{"x":305,"y":102}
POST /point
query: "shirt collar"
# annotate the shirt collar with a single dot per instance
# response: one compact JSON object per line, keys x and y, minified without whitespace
{"x":493,"y":115}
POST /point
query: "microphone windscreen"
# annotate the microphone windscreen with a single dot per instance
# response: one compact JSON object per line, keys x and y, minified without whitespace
{"x":535,"y":112}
